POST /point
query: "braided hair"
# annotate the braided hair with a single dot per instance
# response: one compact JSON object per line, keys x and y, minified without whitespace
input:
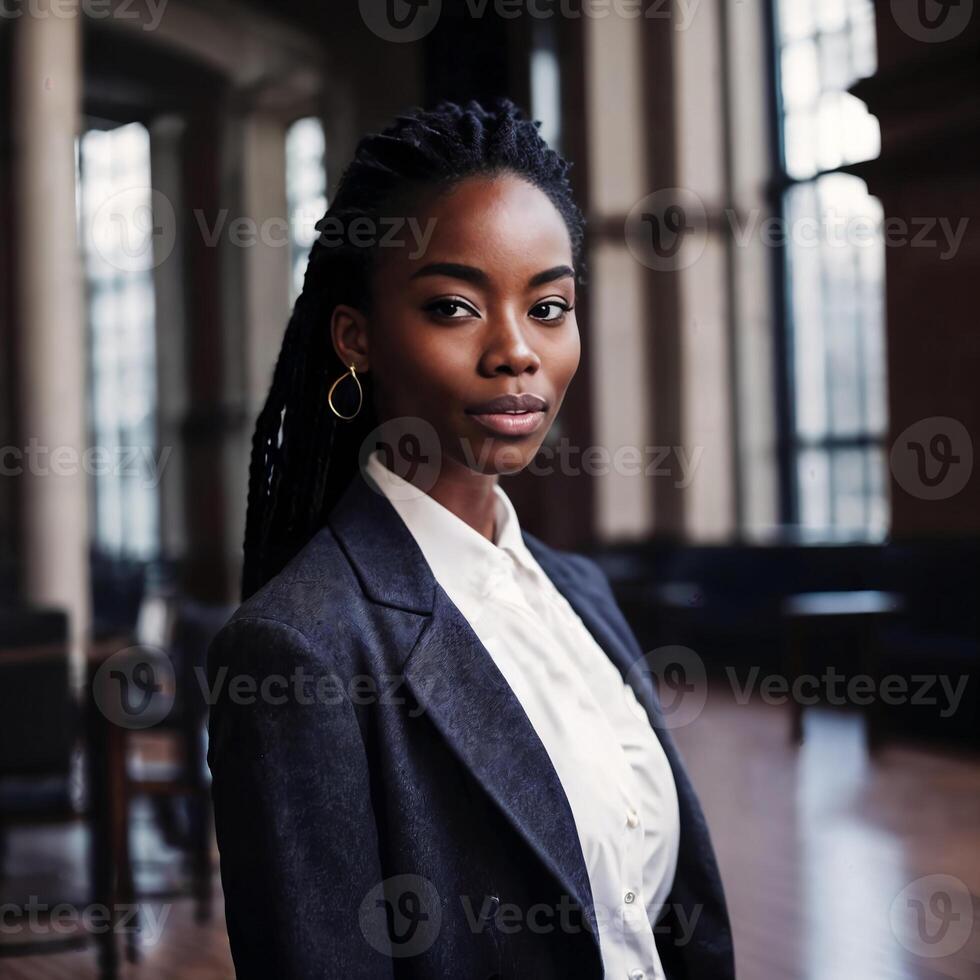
{"x":303,"y":456}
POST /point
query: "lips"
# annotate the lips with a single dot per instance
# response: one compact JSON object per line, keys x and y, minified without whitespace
{"x":525,"y":402}
{"x":511,"y":415}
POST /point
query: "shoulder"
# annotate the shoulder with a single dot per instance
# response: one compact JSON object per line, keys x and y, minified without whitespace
{"x":591,"y":570}
{"x":572,"y":566}
{"x":301,"y":606}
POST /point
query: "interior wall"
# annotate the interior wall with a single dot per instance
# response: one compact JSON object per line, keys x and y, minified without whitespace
{"x":926,"y":95}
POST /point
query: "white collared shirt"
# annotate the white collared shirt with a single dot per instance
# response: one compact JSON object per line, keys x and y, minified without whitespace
{"x":609,"y":760}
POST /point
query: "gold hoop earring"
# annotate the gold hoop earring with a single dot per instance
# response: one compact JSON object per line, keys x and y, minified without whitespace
{"x":360,"y":393}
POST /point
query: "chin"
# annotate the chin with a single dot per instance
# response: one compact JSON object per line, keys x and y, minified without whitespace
{"x":506,"y":458}
{"x":495,"y":457}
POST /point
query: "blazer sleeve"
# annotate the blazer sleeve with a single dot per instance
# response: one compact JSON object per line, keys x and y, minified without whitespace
{"x":295,"y":828}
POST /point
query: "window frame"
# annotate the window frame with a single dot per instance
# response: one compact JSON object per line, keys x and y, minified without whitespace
{"x":790,"y":444}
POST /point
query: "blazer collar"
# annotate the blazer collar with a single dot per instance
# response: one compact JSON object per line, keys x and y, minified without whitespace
{"x":457,"y":683}
{"x":462,"y":560}
{"x":393,"y":572}
{"x":388,"y":563}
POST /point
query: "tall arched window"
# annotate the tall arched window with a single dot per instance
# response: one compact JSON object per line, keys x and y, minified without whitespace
{"x":834,"y":269}
{"x":117,"y":232}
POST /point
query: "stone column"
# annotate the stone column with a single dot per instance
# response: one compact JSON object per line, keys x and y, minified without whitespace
{"x":257,"y":301}
{"x":50,"y":313}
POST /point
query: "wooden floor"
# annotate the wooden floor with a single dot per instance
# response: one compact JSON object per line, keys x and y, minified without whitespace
{"x":816,"y":846}
{"x":185,"y":952}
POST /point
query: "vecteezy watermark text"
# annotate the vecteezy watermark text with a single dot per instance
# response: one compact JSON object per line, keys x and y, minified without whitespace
{"x":406,"y":21}
{"x":834,"y":688}
{"x":668,"y":229}
{"x":37,"y":918}
{"x":681,"y":680}
{"x":135,"y":688}
{"x":402,"y":916}
{"x":570,"y":460}
{"x":148,"y":12}
{"x":303,"y":688}
{"x":330,"y":230}
{"x":129,"y":461}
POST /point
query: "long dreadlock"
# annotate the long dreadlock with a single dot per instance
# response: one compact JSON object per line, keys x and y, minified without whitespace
{"x":303,"y":456}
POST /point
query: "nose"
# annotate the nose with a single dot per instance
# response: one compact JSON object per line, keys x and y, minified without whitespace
{"x":507,"y":349}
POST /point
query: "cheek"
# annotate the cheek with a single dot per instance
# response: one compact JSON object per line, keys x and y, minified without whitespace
{"x":425,"y":365}
{"x":566,"y":357}
{"x":396,"y":352}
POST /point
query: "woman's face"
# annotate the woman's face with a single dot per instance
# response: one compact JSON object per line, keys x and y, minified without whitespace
{"x":483,"y":310}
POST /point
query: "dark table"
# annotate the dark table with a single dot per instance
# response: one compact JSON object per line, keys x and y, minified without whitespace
{"x":864,"y":611}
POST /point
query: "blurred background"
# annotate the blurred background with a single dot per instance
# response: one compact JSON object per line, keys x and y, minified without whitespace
{"x":769,"y":444}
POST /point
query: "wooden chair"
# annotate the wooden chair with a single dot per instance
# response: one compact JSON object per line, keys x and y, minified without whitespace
{"x":179,"y":785}
{"x":39,"y":744}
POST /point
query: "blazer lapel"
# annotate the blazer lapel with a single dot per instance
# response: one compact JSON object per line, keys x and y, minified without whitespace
{"x":455,"y":680}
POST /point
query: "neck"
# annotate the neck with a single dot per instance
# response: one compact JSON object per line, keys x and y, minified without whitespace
{"x":469,"y":495}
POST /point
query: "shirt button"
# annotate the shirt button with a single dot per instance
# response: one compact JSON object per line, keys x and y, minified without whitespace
{"x":629,"y":897}
{"x":632,"y":818}
{"x":637,"y":975}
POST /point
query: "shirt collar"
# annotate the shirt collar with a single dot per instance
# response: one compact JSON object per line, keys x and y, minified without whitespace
{"x":459,"y":556}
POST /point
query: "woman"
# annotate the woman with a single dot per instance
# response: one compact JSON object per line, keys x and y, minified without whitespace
{"x":430,"y":755}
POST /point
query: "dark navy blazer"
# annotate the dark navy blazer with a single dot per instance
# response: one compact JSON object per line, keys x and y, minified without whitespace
{"x":383,"y":806}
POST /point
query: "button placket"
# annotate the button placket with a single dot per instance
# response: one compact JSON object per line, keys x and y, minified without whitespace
{"x":495,"y":578}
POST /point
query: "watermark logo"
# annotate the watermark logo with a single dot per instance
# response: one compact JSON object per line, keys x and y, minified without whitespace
{"x":409,"y":447}
{"x":133,"y":230}
{"x":401,"y":916}
{"x":401,"y":21}
{"x":681,"y":681}
{"x":933,"y":916}
{"x":667,"y":230}
{"x":932,"y":21}
{"x":135,"y":687}
{"x":933,"y":458}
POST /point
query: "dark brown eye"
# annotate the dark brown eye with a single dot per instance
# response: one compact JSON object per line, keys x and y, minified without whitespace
{"x":450,"y":309}
{"x":550,"y":311}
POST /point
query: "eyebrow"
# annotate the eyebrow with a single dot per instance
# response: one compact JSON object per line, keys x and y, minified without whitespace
{"x":470,"y":273}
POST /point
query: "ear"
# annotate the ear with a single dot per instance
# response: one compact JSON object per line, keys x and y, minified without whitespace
{"x":348,"y":331}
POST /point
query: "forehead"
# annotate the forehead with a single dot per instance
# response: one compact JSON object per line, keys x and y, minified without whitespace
{"x":502,"y":224}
